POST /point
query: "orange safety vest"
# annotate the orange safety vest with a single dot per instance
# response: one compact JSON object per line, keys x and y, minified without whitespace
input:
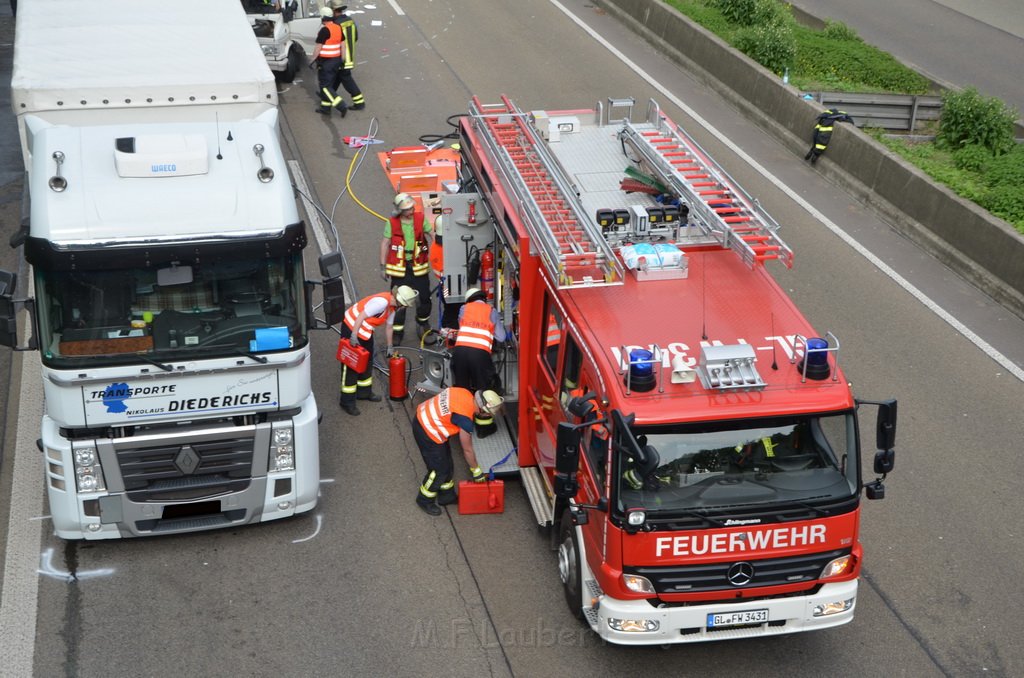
{"x":435,"y":415}
{"x":331,"y":49}
{"x":371,"y":322}
{"x":476,"y":329}
{"x":394,"y":264}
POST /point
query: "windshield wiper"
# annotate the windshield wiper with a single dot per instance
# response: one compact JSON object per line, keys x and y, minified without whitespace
{"x":663,"y":515}
{"x":163,"y":366}
{"x":261,"y":359}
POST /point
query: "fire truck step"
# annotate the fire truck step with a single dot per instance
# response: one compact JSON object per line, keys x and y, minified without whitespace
{"x":538,"y":494}
{"x":491,"y":450}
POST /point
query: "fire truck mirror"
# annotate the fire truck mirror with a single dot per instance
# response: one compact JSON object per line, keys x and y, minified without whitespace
{"x":884,"y":461}
{"x":581,"y":406}
{"x":567,"y":453}
{"x":886,"y":434}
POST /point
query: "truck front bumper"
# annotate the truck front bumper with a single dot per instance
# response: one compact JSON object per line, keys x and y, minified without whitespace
{"x":691,"y":624}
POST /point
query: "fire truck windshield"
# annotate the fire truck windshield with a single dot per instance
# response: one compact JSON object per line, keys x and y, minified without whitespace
{"x":722,"y":466}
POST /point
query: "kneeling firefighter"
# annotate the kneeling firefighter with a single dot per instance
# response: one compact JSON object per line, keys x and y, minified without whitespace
{"x":450,"y":412}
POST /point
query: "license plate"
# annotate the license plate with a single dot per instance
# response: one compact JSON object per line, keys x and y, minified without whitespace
{"x":737,"y":618}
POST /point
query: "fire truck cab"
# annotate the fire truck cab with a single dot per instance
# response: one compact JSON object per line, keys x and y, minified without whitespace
{"x":681,"y":429}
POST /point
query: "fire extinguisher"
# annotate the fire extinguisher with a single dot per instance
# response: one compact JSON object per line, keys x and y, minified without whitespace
{"x":487,"y":272}
{"x":397,"y":389}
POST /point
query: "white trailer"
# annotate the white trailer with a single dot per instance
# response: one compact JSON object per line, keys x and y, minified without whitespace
{"x":170,"y":306}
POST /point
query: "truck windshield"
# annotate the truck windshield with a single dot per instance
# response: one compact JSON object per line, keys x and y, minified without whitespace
{"x":120,"y":316}
{"x":794,"y":460}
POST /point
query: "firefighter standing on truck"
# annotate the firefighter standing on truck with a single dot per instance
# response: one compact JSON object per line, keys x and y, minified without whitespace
{"x":361,"y":318}
{"x":472,"y":367}
{"x":405,"y":259}
{"x":449,"y":412}
{"x":327,"y":57}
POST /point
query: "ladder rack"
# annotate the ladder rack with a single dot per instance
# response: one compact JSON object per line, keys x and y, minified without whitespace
{"x":717,"y":204}
{"x":569,"y":243}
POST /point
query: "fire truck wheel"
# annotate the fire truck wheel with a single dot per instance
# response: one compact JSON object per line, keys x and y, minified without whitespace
{"x":569,"y":565}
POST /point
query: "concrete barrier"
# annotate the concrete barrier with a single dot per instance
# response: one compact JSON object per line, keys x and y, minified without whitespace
{"x":984,"y":249}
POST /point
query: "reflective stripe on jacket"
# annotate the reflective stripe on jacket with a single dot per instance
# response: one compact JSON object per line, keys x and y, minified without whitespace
{"x":475,"y":328}
{"x":332,"y":48}
{"x":394,"y":264}
{"x":365,"y":330}
{"x":348,"y":29}
{"x":435,"y":415}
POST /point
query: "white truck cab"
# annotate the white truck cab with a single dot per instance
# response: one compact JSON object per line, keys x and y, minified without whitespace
{"x":285,"y":29}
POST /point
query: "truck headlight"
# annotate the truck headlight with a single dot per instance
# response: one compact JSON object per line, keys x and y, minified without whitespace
{"x":271,"y":50}
{"x":282,"y":451}
{"x":838,"y":567}
{"x":835,"y":607}
{"x":633,"y":625}
{"x":637,"y":584}
{"x":88,"y":472}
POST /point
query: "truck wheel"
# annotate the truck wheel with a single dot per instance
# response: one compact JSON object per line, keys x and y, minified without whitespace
{"x":569,"y":568}
{"x":294,"y":64}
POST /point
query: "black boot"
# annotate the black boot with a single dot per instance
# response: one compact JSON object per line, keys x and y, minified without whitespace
{"x":446,"y":497}
{"x":369,"y":397}
{"x":428,"y":505}
{"x":349,"y":408}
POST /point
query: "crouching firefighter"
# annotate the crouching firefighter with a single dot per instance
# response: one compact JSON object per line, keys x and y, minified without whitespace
{"x":451,"y":411}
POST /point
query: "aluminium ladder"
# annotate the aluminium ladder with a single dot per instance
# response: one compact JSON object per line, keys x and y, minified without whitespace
{"x":569,"y":243}
{"x":717,"y":204}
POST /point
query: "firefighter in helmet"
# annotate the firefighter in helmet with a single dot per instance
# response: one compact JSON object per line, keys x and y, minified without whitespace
{"x":405,"y":258}
{"x":450,"y":412}
{"x":361,"y":319}
{"x":472,"y":367}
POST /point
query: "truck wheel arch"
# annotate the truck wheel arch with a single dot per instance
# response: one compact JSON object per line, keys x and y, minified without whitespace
{"x":570,"y":565}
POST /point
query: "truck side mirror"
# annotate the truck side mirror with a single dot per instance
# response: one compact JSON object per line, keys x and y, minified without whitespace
{"x":884,"y":461}
{"x":567,"y":460}
{"x":334,"y":301}
{"x":886,"y":427}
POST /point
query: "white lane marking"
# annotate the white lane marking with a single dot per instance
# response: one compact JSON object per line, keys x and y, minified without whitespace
{"x":394,"y":6}
{"x":19,"y":602}
{"x":987,"y":348}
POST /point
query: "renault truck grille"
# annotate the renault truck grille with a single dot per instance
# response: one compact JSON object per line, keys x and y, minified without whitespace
{"x":184,"y":472}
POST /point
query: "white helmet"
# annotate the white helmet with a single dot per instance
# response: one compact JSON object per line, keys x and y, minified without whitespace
{"x":405,"y":295}
{"x":404,"y":201}
{"x":439,"y":225}
{"x":474,"y":292}
{"x":326,"y":13}
{"x":488,"y":401}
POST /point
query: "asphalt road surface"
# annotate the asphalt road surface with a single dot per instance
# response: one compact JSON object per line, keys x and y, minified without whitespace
{"x":367,"y":585}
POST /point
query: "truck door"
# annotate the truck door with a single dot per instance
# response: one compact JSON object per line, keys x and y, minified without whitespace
{"x":545,"y":391}
{"x":306,"y":24}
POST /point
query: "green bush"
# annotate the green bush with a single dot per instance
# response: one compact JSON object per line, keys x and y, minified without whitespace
{"x":753,"y":12}
{"x":1006,"y":202}
{"x":822,"y":62}
{"x":837,"y":30}
{"x":972,"y":158}
{"x":970,"y":118}
{"x":1007,"y":169}
{"x":772,"y":45}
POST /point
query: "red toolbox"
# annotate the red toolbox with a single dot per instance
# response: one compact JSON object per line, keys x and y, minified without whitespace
{"x":486,"y":497}
{"x":356,"y":358}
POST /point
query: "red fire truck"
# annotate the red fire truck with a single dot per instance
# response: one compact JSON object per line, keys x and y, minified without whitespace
{"x":682,"y":430}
